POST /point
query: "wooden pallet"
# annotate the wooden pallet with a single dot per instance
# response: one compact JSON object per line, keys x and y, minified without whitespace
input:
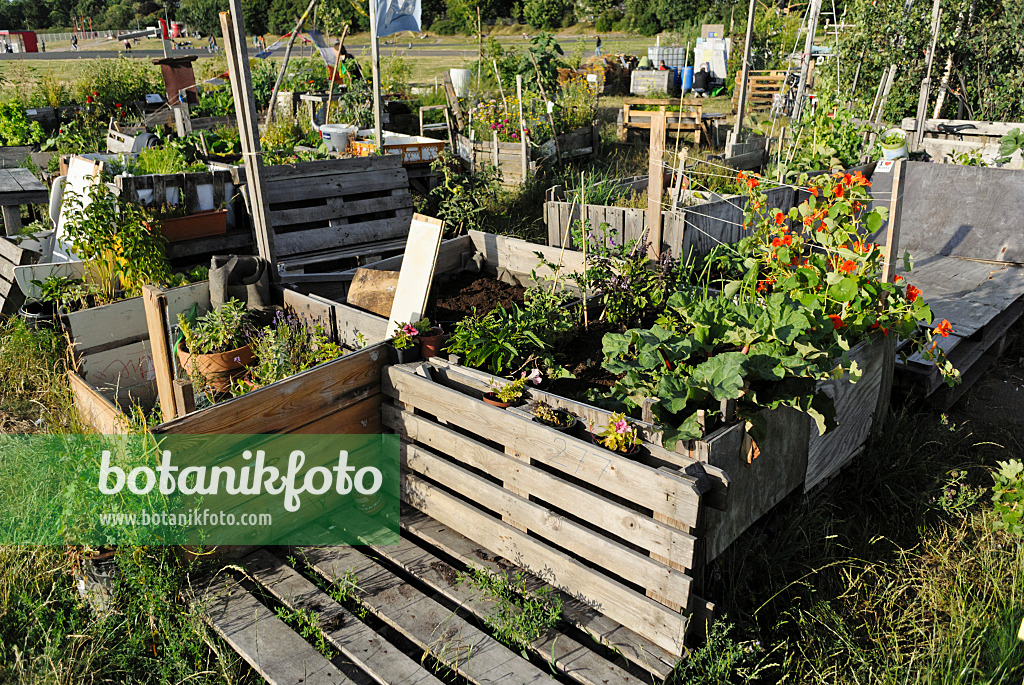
{"x":335,"y":209}
{"x":14,"y":252}
{"x":518,"y":161}
{"x":762,"y":87}
{"x":412,"y":620}
{"x":688,"y":118}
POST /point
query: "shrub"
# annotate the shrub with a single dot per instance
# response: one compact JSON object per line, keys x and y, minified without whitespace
{"x":444,"y":27}
{"x":606,"y":22}
{"x":546,"y":14}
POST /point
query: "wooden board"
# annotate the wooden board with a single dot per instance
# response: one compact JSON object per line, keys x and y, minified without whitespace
{"x":417,"y":272}
{"x":82,"y":175}
{"x":12,"y":258}
{"x":373,"y":290}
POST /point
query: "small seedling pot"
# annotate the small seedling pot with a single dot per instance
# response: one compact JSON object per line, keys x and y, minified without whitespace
{"x":430,"y":344}
{"x":562,"y":429}
{"x":893,"y":150}
{"x":634,"y":451}
{"x":403,"y":356}
{"x":218,"y":368}
{"x":492,"y":399}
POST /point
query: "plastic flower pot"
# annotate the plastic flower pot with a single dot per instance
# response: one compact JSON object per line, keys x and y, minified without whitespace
{"x":404,"y":355}
{"x":632,"y":452}
{"x":38,"y":314}
{"x":430,"y":343}
{"x":218,"y":368}
{"x":893,"y":150}
{"x":492,"y":399}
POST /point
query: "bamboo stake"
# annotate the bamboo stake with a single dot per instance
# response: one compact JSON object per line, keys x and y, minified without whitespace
{"x":501,"y":90}
{"x":337,"y":61}
{"x":544,"y":94}
{"x":586,"y":239}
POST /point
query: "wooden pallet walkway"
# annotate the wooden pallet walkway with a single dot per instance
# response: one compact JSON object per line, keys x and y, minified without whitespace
{"x":408,"y":618}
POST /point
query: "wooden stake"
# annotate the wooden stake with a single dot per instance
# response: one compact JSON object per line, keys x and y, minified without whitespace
{"x":479,"y":48}
{"x":655,"y":184}
{"x":334,"y":78}
{"x":501,"y":90}
{"x":523,"y":150}
{"x":248,"y":128}
{"x":375,"y":57}
{"x":677,"y":190}
{"x":272,"y":107}
{"x":892,"y":233}
{"x":586,"y":239}
{"x":744,"y":76}
{"x":544,"y":94}
{"x":154,"y":302}
{"x":805,"y":60}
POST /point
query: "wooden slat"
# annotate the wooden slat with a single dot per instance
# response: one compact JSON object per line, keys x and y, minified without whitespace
{"x":545,"y":523}
{"x":343,"y":185}
{"x":447,"y":637}
{"x":293,"y":401}
{"x":624,"y":641}
{"x":337,"y":208}
{"x":606,"y":514}
{"x":310,"y":240}
{"x":619,"y":602}
{"x":324,"y":167}
{"x":265,"y":641}
{"x":675,"y":496}
{"x":109,"y":324}
{"x":364,"y":647}
{"x":569,"y":656}
{"x":96,"y":410}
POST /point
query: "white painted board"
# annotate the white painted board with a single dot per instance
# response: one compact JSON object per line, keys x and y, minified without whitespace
{"x":417,"y":271}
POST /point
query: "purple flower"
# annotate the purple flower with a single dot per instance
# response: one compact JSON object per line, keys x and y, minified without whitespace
{"x":621,"y":426}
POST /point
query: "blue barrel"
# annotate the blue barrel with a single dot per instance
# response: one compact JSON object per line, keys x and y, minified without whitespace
{"x":687,"y":78}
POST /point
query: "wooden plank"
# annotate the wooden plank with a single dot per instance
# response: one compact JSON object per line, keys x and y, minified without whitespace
{"x":360,"y":418}
{"x":569,"y":656}
{"x":342,"y":185}
{"x":417,"y":272}
{"x":338,"y":208}
{"x":674,"y":496}
{"x":656,"y":188}
{"x":309,"y":240}
{"x":547,"y":524}
{"x":644,"y":616}
{"x":95,"y":410}
{"x":608,"y":515}
{"x":110,"y":325}
{"x":293,"y":401}
{"x":352,"y":324}
{"x":119,"y":367}
{"x":636,"y":648}
{"x":154,"y":303}
{"x":358,"y":642}
{"x":440,"y":632}
{"x":262,"y":639}
{"x":323,"y":167}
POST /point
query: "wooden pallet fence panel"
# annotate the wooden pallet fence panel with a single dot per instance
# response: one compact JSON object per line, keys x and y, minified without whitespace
{"x":12,"y":256}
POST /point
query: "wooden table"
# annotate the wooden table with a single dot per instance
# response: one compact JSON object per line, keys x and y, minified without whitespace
{"x":18,"y":187}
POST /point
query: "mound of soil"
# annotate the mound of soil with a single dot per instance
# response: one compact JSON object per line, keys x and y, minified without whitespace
{"x":457,"y":298}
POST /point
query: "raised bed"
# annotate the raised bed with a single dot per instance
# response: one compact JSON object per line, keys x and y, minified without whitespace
{"x":518,"y":161}
{"x":340,"y":396}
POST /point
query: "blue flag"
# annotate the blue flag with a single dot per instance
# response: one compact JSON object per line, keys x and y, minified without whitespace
{"x":394,"y":16}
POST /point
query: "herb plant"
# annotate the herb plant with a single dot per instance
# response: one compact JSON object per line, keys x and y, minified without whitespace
{"x":618,"y":435}
{"x":550,"y":416}
{"x":219,"y":330}
{"x":289,"y":345}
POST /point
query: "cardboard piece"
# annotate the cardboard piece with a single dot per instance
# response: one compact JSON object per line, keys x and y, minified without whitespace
{"x":417,"y":272}
{"x":373,"y":291}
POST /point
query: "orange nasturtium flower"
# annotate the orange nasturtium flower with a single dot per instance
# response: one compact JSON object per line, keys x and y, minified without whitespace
{"x":813,"y":190}
{"x":752,"y":183}
{"x":913,"y":293}
{"x":779,"y":218}
{"x":837,"y":321}
{"x":944,"y":328}
{"x":839,"y":191}
{"x":776,"y":242}
{"x":848,"y":267}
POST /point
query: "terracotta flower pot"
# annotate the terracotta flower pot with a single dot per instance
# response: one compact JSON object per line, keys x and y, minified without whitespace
{"x":199,"y":225}
{"x":430,"y":344}
{"x":218,"y":368}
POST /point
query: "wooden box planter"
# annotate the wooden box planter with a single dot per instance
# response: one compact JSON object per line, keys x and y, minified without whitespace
{"x":202,"y":224}
{"x":340,"y":396}
{"x":683,"y":116}
{"x":15,"y":252}
{"x":518,"y":161}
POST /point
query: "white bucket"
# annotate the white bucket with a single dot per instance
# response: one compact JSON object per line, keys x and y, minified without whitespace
{"x":460,"y":81}
{"x":890,"y":150}
{"x":336,"y":136}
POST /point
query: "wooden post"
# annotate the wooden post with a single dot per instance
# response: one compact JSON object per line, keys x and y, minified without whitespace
{"x":479,"y":48}
{"x":892,"y":232}
{"x":744,"y":76}
{"x":805,"y":60}
{"x":501,"y":89}
{"x":926,"y":82}
{"x":523,"y":150}
{"x":272,"y":107}
{"x":677,"y":190}
{"x":154,"y":303}
{"x":375,"y":57}
{"x":12,"y":219}
{"x":544,"y":94}
{"x":655,"y":184}
{"x":248,"y":128}
{"x":334,"y":78}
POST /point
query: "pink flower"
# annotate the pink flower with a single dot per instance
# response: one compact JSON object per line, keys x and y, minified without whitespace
{"x":621,"y":426}
{"x":410,"y":330}
{"x":534,"y":376}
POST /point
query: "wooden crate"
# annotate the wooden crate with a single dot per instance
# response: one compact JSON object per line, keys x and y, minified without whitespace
{"x":334,"y":209}
{"x":14,"y":252}
{"x":518,"y":161}
{"x":688,"y":118}
{"x":413,"y":149}
{"x":111,"y":373}
{"x":762,"y":87}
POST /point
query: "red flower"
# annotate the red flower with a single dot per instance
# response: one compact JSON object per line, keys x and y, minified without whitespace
{"x":117,"y":105}
{"x":898,"y":278}
{"x":847,"y":180}
{"x":88,"y":98}
{"x":839,"y":191}
{"x":944,"y":328}
{"x":813,"y":191}
{"x":752,"y":183}
{"x":740,"y":176}
{"x":913,"y":293}
{"x":776,"y":242}
{"x":779,"y":218}
{"x":788,"y":240}
{"x":848,"y":267}
{"x":96,"y":93}
{"x":837,"y":321}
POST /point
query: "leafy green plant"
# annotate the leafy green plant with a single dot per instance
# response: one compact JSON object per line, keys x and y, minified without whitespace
{"x":512,"y":391}
{"x":62,"y":291}
{"x":722,"y":659}
{"x":1009,"y":144}
{"x":162,"y":160}
{"x":15,"y":126}
{"x":289,"y":345}
{"x":404,"y":337}
{"x":894,"y":139}
{"x":461,"y":195}
{"x":618,"y":435}
{"x":307,"y":624}
{"x":967,"y":158}
{"x":549,"y":416}
{"x":957,"y":495}
{"x":219,"y":330}
{"x":520,"y":616}
{"x":1008,"y":496}
{"x":827,"y":138}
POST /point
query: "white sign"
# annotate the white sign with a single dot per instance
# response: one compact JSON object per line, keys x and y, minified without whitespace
{"x":885,"y":166}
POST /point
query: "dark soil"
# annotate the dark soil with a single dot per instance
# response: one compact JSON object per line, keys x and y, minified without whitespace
{"x":457,"y":298}
{"x":583,"y":355}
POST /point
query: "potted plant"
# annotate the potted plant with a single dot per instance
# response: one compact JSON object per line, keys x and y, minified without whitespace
{"x":512,"y":392}
{"x":618,"y":436}
{"x":431,"y":338}
{"x":403,"y":347}
{"x":894,"y":144}
{"x":214,"y":348}
{"x":559,"y":419}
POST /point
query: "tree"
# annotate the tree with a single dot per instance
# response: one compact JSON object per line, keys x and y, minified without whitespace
{"x":202,"y":15}
{"x":546,"y":14}
{"x":254,"y":14}
{"x":283,"y":13}
{"x":642,"y":17}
